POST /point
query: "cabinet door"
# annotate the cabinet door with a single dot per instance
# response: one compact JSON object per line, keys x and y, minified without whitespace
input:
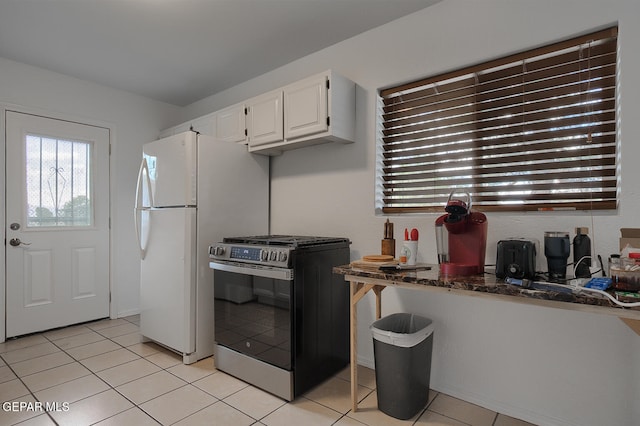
{"x":264,"y":119}
{"x":305,"y":104}
{"x":203,"y":125}
{"x":167,"y":132}
{"x":230,"y":124}
{"x":181,"y":128}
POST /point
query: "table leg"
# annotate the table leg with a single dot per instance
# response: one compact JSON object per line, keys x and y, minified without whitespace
{"x":378,"y":290}
{"x":354,"y":347}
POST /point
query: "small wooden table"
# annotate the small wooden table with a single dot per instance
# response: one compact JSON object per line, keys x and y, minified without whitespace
{"x":362,"y":281}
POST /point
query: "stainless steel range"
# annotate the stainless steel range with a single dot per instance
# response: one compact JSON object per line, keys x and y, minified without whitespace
{"x":281,"y":315}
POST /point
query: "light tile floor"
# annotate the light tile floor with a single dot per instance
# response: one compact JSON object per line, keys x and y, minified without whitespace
{"x":102,"y":373}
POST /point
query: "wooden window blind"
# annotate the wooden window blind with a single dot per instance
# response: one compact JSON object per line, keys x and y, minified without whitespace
{"x":531,"y":131}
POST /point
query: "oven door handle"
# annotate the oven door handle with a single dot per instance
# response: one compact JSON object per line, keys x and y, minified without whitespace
{"x":256,"y":271}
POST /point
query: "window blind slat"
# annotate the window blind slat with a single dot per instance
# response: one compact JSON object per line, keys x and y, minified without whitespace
{"x":470,"y":135}
{"x":525,"y":159}
{"x":459,"y":168}
{"x":597,"y":55}
{"x":520,"y":115}
{"x":531,"y":131}
{"x":514,"y":144}
{"x":576,"y":68}
{"x":437,"y":206}
{"x":606,"y":34}
{"x":495,"y":175}
{"x":520,"y":199}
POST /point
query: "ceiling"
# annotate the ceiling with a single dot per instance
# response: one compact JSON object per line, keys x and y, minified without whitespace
{"x":180,"y":51}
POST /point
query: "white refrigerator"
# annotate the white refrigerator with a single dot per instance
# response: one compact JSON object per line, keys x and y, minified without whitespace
{"x":192,"y":191}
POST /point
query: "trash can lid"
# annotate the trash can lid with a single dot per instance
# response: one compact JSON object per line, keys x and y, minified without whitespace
{"x":402,"y":329}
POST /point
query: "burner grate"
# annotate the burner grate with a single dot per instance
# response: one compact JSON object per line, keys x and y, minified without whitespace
{"x":285,"y":240}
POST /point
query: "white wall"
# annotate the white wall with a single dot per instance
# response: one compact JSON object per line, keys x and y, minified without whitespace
{"x":545,"y":365}
{"x":548,"y":366}
{"x":133,"y":120}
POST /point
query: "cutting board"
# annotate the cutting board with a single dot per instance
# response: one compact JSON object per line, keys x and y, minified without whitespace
{"x":373,"y":262}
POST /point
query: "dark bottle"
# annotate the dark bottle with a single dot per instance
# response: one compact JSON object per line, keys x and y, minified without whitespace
{"x":582,"y":253}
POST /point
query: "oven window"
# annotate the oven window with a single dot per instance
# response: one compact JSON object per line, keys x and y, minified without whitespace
{"x":253,"y":316}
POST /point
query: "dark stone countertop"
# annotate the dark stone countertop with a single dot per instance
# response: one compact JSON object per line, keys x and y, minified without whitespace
{"x":486,"y":283}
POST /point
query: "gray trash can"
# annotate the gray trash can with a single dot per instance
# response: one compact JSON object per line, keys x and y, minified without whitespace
{"x":402,"y":345}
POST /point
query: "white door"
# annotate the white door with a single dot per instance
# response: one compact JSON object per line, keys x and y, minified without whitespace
{"x":57,"y":223}
{"x":305,"y":105}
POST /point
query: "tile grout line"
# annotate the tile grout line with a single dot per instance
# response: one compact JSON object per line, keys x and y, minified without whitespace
{"x":95,"y":375}
{"x":165,"y":369}
{"x":217,"y":400}
{"x":189,"y":381}
{"x":426,"y":408}
{"x":27,"y":388}
{"x":110,"y":387}
{"x":448,"y":416}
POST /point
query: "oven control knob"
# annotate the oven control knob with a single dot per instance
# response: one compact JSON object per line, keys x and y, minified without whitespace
{"x":273,"y":255}
{"x":216,"y":251}
{"x":264,"y":255}
{"x":282,"y":256}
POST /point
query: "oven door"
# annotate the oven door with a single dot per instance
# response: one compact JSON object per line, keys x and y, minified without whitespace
{"x":253,"y":311}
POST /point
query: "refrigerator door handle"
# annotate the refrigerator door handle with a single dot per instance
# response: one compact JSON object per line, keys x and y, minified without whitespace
{"x":143,"y":178}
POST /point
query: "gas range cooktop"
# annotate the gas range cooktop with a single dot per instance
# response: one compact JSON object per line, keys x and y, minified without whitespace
{"x":270,"y":250}
{"x":284,"y":240}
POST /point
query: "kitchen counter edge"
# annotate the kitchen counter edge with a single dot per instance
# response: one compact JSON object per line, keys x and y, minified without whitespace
{"x":486,"y":285}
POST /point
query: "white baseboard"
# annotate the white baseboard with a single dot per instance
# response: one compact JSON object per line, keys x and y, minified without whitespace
{"x":366,"y":362}
{"x":497,"y":406}
{"x":502,"y":408}
{"x":128,"y":313}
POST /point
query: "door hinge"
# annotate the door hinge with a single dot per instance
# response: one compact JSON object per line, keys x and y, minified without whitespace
{"x":246,"y":111}
{"x":246,"y":133}
{"x":328,"y":121}
{"x":328,"y":85}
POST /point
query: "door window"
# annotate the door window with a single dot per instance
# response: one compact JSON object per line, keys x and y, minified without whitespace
{"x":58,"y":182}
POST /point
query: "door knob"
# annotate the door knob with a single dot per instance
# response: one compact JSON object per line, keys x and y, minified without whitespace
{"x":15,"y":242}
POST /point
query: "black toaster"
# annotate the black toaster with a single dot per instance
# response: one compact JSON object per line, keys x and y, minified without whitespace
{"x":516,"y":259}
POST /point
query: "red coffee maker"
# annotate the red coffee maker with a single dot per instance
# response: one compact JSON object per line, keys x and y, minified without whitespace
{"x":461,"y":237}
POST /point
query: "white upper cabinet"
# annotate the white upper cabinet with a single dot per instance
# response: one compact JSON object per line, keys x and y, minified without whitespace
{"x":230,"y":124}
{"x":203,"y":125}
{"x":318,"y":109}
{"x":305,"y":107}
{"x":180,"y":128}
{"x":264,"y":119}
{"x":167,"y":132}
